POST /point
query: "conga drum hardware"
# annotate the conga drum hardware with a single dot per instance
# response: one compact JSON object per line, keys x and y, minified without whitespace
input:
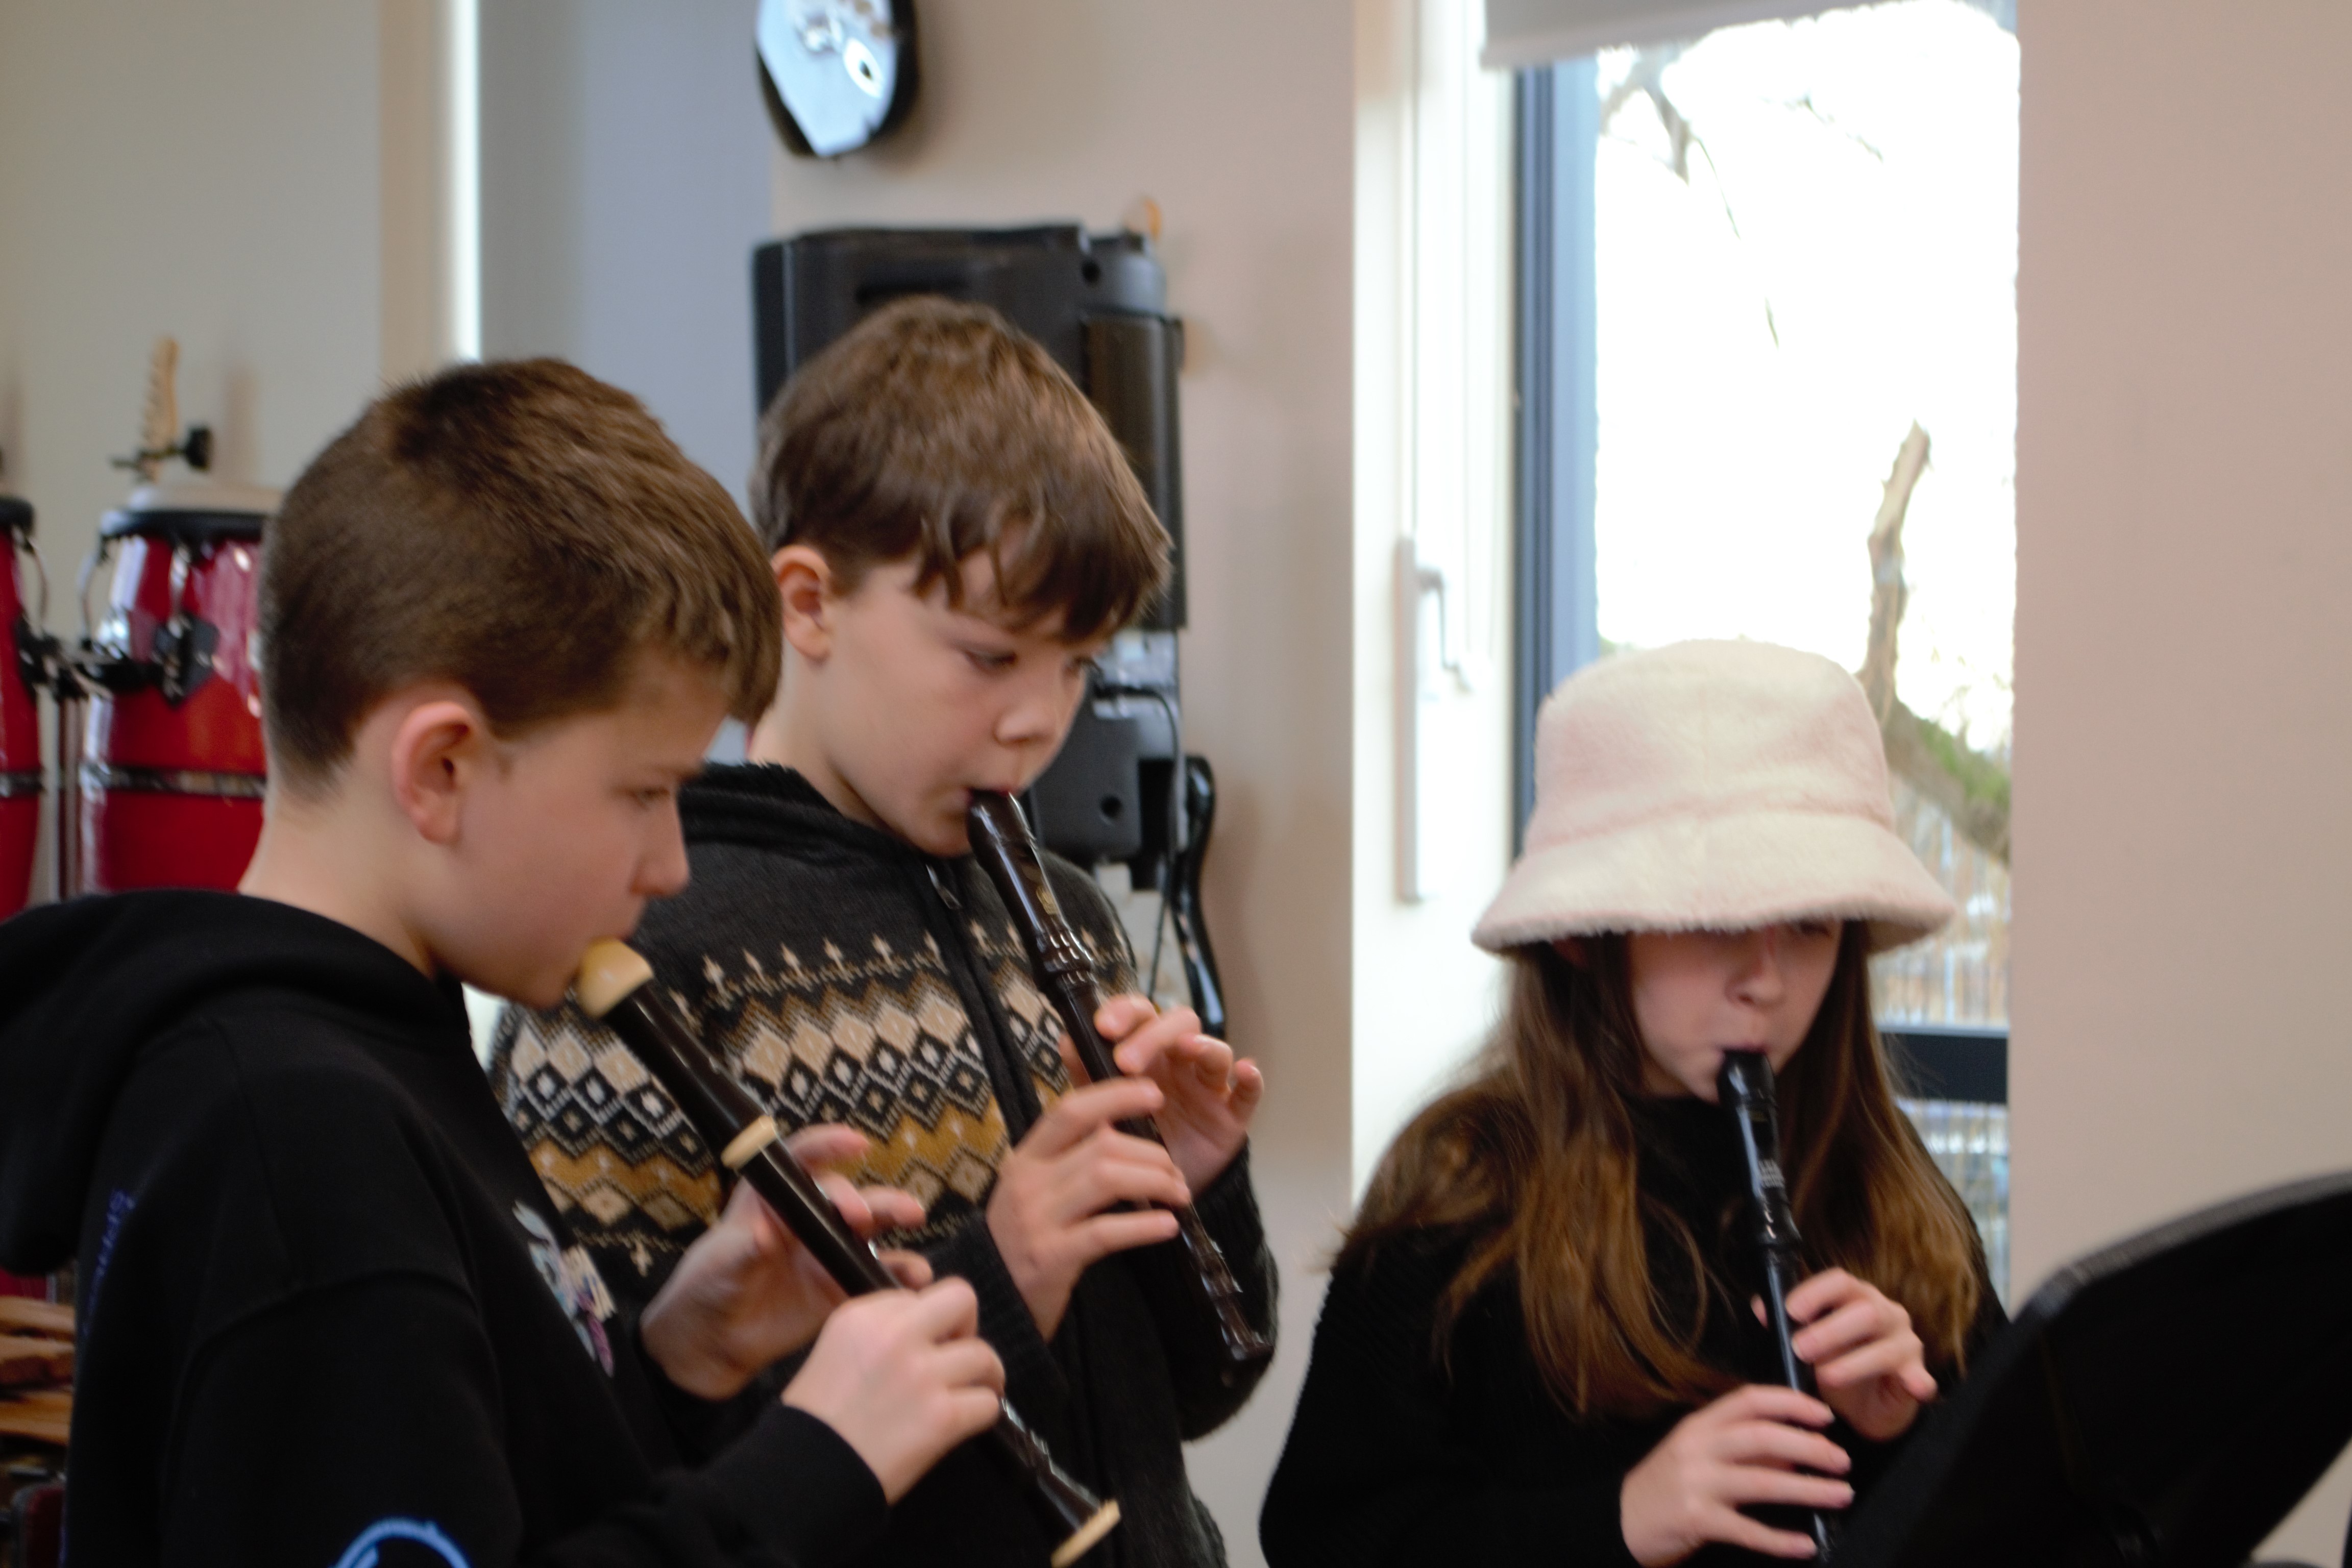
{"x":160,"y":772}
{"x":159,"y":422}
{"x":38,"y":652}
{"x":171,"y":773}
{"x":195,"y":449}
{"x":180,"y":648}
{"x":21,"y":779}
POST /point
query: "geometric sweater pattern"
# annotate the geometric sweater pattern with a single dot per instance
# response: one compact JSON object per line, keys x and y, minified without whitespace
{"x":861,"y":1027}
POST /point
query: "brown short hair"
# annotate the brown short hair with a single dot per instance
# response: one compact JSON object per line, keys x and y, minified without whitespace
{"x":934,"y":429}
{"x":520,"y":528}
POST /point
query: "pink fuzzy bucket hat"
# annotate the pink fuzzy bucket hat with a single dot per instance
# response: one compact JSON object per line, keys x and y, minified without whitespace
{"x":1711,"y":786}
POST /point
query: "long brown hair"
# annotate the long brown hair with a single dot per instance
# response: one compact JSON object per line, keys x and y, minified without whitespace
{"x":1535,"y":1159}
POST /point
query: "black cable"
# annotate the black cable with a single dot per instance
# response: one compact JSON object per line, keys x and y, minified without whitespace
{"x":1201,"y":979}
{"x":1159,"y":931}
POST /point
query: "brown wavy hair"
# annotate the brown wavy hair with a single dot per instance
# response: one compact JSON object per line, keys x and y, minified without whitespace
{"x":1535,"y":1159}
{"x":935,"y":430}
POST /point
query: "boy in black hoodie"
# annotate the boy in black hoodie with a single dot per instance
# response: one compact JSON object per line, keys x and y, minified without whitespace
{"x":326,"y":1313}
{"x":955,"y":534}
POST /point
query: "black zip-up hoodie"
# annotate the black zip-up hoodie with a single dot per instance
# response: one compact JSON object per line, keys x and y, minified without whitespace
{"x":327,"y":1315}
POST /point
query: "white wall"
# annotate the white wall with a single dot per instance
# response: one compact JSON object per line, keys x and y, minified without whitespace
{"x":428,"y":96}
{"x":624,"y":181}
{"x":206,"y":172}
{"x":2183,"y":733}
{"x":1238,"y":119}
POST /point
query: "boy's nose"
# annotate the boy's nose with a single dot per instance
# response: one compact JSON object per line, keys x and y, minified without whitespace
{"x":662,"y":870}
{"x":1039,"y":714}
{"x":1025,"y":722}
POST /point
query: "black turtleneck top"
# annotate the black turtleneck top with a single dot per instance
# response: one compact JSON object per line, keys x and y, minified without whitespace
{"x":1394,"y":1459}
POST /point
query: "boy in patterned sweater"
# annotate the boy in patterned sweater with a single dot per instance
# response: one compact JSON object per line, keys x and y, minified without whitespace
{"x":954,"y":534}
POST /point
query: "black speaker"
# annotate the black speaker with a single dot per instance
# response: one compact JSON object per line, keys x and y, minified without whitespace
{"x":1098,"y":303}
{"x":1091,"y":799}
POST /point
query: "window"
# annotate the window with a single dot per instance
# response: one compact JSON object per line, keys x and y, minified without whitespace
{"x":1768,"y":379}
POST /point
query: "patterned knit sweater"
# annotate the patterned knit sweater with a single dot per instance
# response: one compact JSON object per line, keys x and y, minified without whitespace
{"x":847,"y":977}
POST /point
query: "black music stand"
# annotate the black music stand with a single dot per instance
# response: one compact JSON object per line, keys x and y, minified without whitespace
{"x":2162,"y":1404}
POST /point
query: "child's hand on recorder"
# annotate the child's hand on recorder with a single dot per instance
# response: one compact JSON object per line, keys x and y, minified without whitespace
{"x":1750,"y":1446}
{"x":902,"y":1376}
{"x":747,"y":1293}
{"x":1866,"y":1358}
{"x":1054,"y":1210}
{"x":1211,"y":1096}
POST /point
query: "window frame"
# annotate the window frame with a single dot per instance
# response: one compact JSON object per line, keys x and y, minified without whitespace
{"x":1556,"y":123}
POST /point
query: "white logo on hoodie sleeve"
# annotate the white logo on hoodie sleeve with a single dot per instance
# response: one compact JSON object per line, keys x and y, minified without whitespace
{"x":579,"y":1289}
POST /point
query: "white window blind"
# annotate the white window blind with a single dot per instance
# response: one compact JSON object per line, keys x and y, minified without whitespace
{"x":1521,"y":32}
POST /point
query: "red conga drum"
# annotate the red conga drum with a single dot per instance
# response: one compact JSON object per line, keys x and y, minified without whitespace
{"x":20,"y":720}
{"x":173,"y":772}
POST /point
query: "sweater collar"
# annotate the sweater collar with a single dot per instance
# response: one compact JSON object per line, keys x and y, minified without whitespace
{"x":764,"y":804}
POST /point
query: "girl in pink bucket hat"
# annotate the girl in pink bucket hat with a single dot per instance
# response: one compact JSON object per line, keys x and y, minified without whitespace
{"x":1543,"y":1340}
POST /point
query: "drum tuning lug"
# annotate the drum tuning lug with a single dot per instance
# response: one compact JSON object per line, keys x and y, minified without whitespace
{"x":36,"y":655}
{"x":144,"y":462}
{"x":184,"y":656}
{"x":195,"y":449}
{"x":112,"y":673}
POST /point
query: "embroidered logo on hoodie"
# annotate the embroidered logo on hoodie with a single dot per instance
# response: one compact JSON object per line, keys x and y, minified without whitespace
{"x":579,"y":1289}
{"x":367,"y":1551}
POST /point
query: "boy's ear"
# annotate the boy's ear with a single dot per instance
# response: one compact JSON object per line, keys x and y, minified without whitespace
{"x":805,"y":584}
{"x":437,"y":749}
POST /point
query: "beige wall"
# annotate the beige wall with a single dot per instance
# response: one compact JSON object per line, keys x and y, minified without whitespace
{"x":2184,"y":739}
{"x":1238,"y":119}
{"x":208,"y":172}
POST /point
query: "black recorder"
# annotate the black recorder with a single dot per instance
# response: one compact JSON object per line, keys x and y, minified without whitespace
{"x":1123,"y":788}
